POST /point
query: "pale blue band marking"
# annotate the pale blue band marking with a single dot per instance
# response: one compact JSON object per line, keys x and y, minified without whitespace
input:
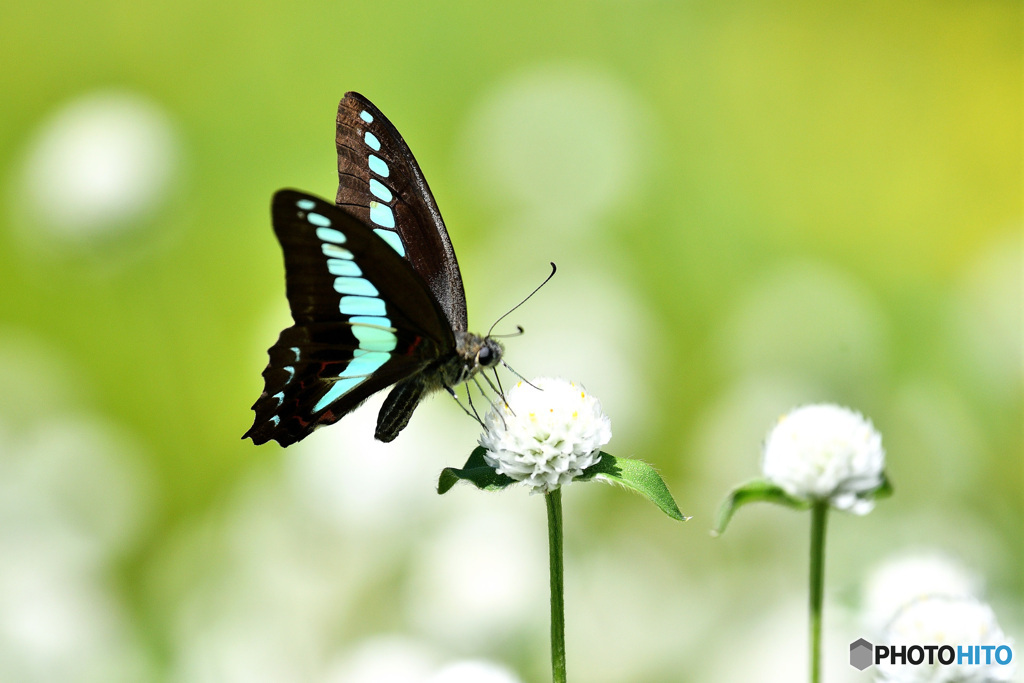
{"x":371,"y":141}
{"x":393,"y":239}
{"x":357,"y":286}
{"x":280,"y":398}
{"x":317,"y":219}
{"x":379,"y":321}
{"x":291,"y":373}
{"x":380,"y":191}
{"x":334,"y":251}
{"x":338,"y":389}
{"x":295,"y":350}
{"x":372,"y":338}
{"x":337,"y":266}
{"x":306,"y":204}
{"x":378,"y":166}
{"x":366,"y":116}
{"x":329,"y":235}
{"x":366,"y":364}
{"x":275,"y":420}
{"x":381,"y":215}
{"x":362,"y":305}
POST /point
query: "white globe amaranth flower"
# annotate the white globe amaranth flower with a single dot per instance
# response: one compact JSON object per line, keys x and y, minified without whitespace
{"x":826,"y":452}
{"x":545,"y":435}
{"x":471,"y":671}
{"x":953,"y":621}
{"x":98,"y":166}
{"x":902,"y":579}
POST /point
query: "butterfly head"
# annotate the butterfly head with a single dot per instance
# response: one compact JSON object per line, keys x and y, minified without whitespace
{"x":489,"y":353}
{"x":476,"y":353}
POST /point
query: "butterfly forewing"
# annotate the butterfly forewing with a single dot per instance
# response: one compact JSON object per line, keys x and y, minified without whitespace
{"x":381,"y":183}
{"x":363,"y":320}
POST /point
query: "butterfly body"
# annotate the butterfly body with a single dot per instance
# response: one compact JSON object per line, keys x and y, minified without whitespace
{"x":374,"y":290}
{"x":444,"y":373}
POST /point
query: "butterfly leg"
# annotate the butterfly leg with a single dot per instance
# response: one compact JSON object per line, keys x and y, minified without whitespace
{"x":469,"y":396}
{"x":521,"y":378}
{"x":464,"y":408}
{"x":398,"y":407}
{"x":497,"y":389}
{"x":480,"y":387}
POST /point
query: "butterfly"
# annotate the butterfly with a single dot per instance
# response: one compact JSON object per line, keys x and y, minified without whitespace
{"x":374,"y":289}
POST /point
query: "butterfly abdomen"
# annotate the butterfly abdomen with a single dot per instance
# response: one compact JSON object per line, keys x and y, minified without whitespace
{"x":398,"y":407}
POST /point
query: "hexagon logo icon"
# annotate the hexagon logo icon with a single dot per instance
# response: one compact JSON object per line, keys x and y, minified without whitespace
{"x":860,"y":654}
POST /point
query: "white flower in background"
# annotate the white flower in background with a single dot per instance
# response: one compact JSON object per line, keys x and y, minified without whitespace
{"x":826,"y":452}
{"x":899,"y":581}
{"x":471,"y":671}
{"x":383,"y":659}
{"x":545,"y":436}
{"x":99,"y":165}
{"x":946,"y":621}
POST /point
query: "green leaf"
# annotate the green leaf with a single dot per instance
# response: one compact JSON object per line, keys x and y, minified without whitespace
{"x":476,"y":471}
{"x":761,"y":490}
{"x":637,"y":476}
{"x":755,"y":491}
{"x":883,"y":491}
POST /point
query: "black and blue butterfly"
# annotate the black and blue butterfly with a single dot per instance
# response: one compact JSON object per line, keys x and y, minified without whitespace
{"x":374,"y":289}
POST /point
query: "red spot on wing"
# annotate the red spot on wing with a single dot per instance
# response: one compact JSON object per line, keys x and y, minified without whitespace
{"x":412,"y":347}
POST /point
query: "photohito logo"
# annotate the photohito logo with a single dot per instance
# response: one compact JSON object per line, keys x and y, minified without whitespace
{"x":860,"y":654}
{"x":863,"y":654}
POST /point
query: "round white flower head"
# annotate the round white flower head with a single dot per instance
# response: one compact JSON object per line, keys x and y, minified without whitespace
{"x":826,"y":452}
{"x":471,"y":671}
{"x":941,"y":620}
{"x":902,"y":579}
{"x":546,"y":436}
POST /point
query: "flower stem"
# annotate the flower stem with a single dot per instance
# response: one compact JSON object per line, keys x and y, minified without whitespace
{"x":819,"y":520}
{"x":554,"y":501}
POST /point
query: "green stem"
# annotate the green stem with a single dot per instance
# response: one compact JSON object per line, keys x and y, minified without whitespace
{"x":819,"y":520}
{"x":554,"y":501}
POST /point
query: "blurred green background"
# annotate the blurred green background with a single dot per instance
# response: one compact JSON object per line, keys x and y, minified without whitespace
{"x":752,"y":206}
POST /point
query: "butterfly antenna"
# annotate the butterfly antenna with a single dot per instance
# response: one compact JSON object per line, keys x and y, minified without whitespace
{"x":551,"y":275}
{"x":519,"y":331}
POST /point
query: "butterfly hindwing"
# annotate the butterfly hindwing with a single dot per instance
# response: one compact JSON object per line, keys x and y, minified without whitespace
{"x":381,"y":183}
{"x":313,"y":380}
{"x":363,"y":320}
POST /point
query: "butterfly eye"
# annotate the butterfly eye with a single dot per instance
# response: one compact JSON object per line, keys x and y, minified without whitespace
{"x":489,"y":354}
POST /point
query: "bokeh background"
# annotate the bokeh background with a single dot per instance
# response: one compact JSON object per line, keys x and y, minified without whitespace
{"x":752,"y":206}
